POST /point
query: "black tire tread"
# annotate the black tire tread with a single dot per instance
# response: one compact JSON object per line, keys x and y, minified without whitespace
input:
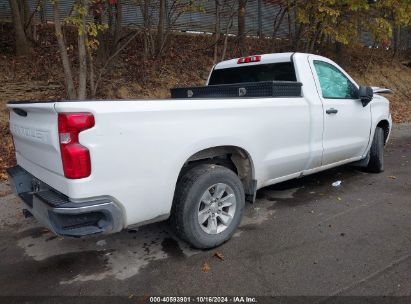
{"x":376,"y":162}
{"x":183,"y":186}
{"x":182,"y":189}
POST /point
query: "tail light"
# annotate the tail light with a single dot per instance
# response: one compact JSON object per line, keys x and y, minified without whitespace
{"x":75,"y":157}
{"x":255,"y":58}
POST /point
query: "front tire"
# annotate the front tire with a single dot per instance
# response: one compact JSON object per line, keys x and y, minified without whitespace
{"x":208,"y":205}
{"x":376,"y":163}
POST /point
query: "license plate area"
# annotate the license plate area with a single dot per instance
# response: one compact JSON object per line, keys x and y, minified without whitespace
{"x":25,"y":185}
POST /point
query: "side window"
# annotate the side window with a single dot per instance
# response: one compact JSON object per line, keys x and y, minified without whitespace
{"x":334,"y":84}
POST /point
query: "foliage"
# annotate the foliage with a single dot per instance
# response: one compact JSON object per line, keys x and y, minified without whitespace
{"x":90,"y":28}
{"x":343,"y":21}
{"x":312,"y":26}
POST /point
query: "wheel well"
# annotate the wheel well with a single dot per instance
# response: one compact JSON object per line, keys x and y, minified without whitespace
{"x":231,"y":157}
{"x":385,"y":125}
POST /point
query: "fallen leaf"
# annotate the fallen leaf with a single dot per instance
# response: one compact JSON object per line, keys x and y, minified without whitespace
{"x":339,"y":198}
{"x":219,"y":255}
{"x":5,"y":193}
{"x":205,"y":268}
{"x":392,"y":177}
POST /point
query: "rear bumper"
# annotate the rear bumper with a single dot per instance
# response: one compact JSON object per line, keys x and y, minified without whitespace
{"x":61,"y":215}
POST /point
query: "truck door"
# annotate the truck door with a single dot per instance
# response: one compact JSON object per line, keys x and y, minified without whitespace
{"x":347,"y":123}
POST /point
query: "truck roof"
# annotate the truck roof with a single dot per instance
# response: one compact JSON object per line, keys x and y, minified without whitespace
{"x":265,"y":58}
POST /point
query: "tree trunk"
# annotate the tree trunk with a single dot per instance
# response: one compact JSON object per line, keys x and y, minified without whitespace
{"x":260,"y":19}
{"x":217,"y":30}
{"x":22,"y":44}
{"x":314,"y":38}
{"x":102,"y":36}
{"x":119,"y":27}
{"x":68,"y":77}
{"x":91,"y":78}
{"x":42,"y":11}
{"x":146,"y":18}
{"x":227,"y":29}
{"x":298,"y":27}
{"x":82,"y":56}
{"x":397,"y":39}
{"x":29,"y":28}
{"x":276,"y":26}
{"x":241,"y":22}
{"x":27,"y":20}
{"x":338,"y":52}
{"x":160,"y":28}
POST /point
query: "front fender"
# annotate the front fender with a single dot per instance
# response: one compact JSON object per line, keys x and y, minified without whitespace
{"x":380,"y":111}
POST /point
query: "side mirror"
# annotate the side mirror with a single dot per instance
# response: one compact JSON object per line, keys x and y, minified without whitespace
{"x":365,"y":94}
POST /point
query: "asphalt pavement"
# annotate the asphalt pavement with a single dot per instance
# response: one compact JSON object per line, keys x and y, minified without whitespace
{"x":301,"y":237}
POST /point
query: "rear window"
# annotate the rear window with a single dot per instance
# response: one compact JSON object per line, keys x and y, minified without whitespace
{"x":283,"y":71}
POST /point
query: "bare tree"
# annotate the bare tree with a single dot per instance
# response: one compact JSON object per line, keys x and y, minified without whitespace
{"x":82,"y":54}
{"x":26,"y":17}
{"x":68,"y":76}
{"x":216,"y":30}
{"x":160,"y":27}
{"x":109,"y":39}
{"x":118,"y":26}
{"x":172,"y":12}
{"x":23,"y":46}
{"x":295,"y":28}
{"x":241,"y":22}
{"x":278,"y":21}
{"x":89,"y":34}
{"x":230,"y":7}
{"x":130,"y":37}
{"x":148,"y":39}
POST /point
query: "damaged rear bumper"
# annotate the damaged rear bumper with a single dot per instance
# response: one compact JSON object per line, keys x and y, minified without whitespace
{"x":59,"y":214}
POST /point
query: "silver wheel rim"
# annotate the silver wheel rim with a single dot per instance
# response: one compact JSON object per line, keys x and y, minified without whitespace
{"x":216,"y":208}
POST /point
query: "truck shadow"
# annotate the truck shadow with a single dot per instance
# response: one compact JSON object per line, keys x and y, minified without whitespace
{"x":303,"y":190}
{"x":124,"y":254}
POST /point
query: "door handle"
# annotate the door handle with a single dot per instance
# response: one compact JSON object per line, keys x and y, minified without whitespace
{"x":331,"y":111}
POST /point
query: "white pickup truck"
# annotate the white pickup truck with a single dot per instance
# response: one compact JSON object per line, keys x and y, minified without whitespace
{"x":91,"y":167}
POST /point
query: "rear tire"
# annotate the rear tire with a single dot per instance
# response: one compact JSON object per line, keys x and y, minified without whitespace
{"x":376,"y":163}
{"x":208,"y":205}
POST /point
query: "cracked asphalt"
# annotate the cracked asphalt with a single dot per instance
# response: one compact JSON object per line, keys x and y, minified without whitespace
{"x":301,"y":237}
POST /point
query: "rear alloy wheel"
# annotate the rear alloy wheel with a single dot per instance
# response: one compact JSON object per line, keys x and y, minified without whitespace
{"x":216,"y":208}
{"x":208,"y":205}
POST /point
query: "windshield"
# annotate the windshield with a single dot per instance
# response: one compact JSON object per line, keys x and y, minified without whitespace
{"x":283,"y":71}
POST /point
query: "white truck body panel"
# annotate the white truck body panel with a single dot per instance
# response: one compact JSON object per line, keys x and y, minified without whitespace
{"x":138,"y":148}
{"x":348,"y":133}
{"x":35,"y":139}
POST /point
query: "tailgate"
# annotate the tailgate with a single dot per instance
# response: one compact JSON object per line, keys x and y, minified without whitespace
{"x":35,"y":134}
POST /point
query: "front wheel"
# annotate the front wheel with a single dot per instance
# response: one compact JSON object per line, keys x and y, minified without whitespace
{"x":376,"y":163}
{"x":208,"y":205}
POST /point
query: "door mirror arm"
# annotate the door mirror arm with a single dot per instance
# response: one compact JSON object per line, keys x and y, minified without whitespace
{"x":365,"y":94}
